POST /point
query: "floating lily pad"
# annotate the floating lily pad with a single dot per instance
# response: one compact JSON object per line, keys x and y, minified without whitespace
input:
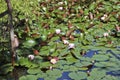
{"x":29,"y":43}
{"x":77,"y":75}
{"x":100,"y":57}
{"x":53,"y":74}
{"x":28,"y":77}
{"x":27,"y":63}
{"x":82,"y":64}
{"x":33,"y":70}
{"x":109,"y":77}
{"x":96,"y":74}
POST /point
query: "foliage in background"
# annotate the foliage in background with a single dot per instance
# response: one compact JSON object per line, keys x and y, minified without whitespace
{"x":89,"y":24}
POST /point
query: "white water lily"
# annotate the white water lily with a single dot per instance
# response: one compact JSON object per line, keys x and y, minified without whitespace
{"x":53,"y":61}
{"x":58,"y":31}
{"x":71,"y":46}
{"x":65,"y":42}
{"x":105,"y":34}
{"x":31,"y":57}
{"x":60,"y":8}
{"x":104,"y":17}
{"x":60,"y":3}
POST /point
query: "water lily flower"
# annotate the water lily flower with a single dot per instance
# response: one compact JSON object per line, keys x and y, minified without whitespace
{"x":60,"y":8}
{"x":58,"y":31}
{"x":71,"y":46}
{"x":53,"y":61}
{"x":106,"y":34}
{"x":60,"y":3}
{"x":31,"y":57}
{"x":50,"y":68}
{"x":104,"y":17}
{"x":65,"y":42}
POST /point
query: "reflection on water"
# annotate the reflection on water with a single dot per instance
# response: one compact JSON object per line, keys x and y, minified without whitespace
{"x":64,"y":76}
{"x":90,"y":53}
{"x":114,"y":73}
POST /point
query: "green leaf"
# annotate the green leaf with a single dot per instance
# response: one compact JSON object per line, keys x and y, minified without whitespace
{"x":92,"y":6}
{"x":77,"y":75}
{"x":33,"y":70}
{"x":109,"y":77}
{"x":45,"y":64}
{"x":6,"y":68}
{"x":27,"y":63}
{"x":29,"y":43}
{"x":22,"y":78}
{"x":96,"y":74}
{"x":71,"y":59}
{"x":100,"y":57}
{"x":54,"y":72}
{"x":28,"y":77}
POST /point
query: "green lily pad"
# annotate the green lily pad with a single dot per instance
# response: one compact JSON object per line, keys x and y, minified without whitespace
{"x":109,"y":77}
{"x":29,"y":43}
{"x":100,"y":57}
{"x":77,"y":75}
{"x":96,"y":74}
{"x":33,"y":70}
{"x":45,"y":64}
{"x":27,"y":63}
{"x":53,"y":72}
{"x":28,"y":77}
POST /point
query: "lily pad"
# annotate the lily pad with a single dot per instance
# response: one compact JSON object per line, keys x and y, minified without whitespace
{"x":96,"y":74}
{"x":99,"y":57}
{"x":29,"y":43}
{"x":28,"y":77}
{"x":33,"y":70}
{"x":77,"y":75}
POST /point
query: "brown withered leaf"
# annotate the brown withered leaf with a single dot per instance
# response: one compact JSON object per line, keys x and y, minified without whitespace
{"x":46,"y":26}
{"x":70,"y":25}
{"x":27,"y":29}
{"x":50,"y":35}
{"x":35,"y":35}
{"x":81,"y":11}
{"x":43,"y":43}
{"x":71,"y":37}
{"x":69,"y":32}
